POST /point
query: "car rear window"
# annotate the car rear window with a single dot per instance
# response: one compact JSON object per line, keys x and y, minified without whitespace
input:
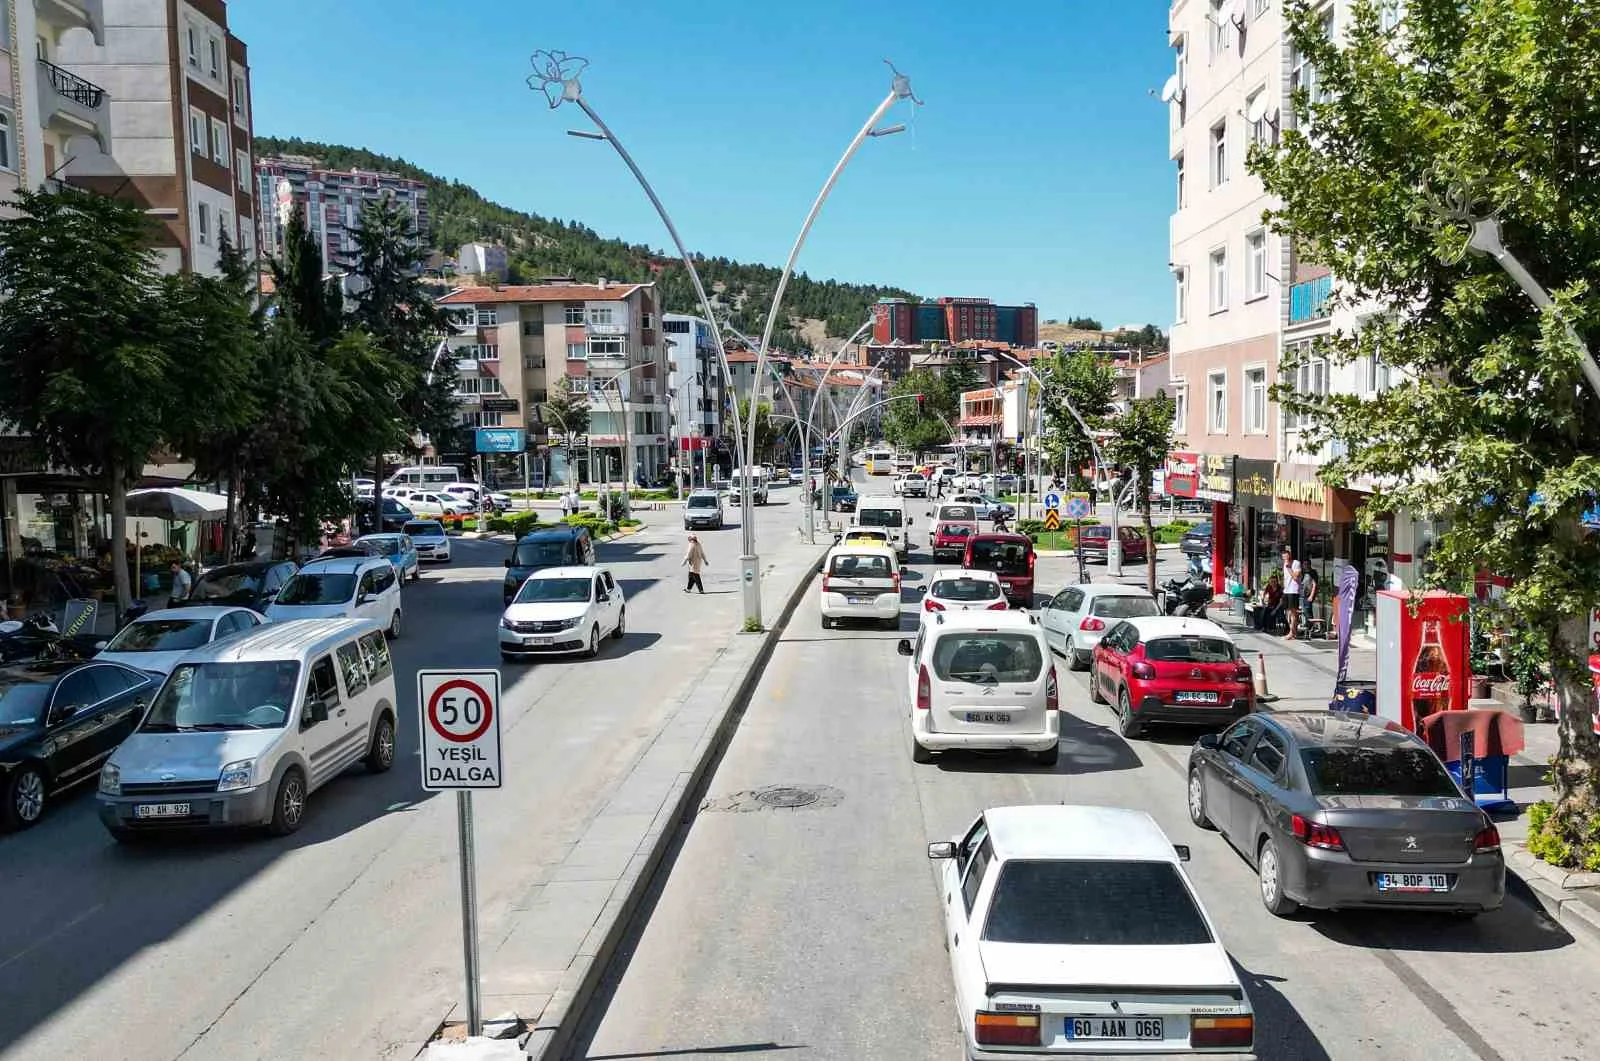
{"x":1190,"y":650}
{"x":426,"y":528}
{"x":1095,"y":532}
{"x":1123,"y":607}
{"x":965,"y":513}
{"x":954,"y":530}
{"x":551,"y":552}
{"x":1005,"y":558}
{"x":966,"y":589}
{"x":879,"y":517}
{"x":988,"y":657}
{"x":1351,"y":771}
{"x":1115,"y":904}
{"x":860,"y":565}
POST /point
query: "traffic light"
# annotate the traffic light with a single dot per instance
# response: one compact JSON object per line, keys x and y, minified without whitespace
{"x":921,"y":400}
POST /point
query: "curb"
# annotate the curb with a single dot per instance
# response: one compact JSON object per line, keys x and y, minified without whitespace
{"x":1538,"y":886}
{"x":569,"y":1006}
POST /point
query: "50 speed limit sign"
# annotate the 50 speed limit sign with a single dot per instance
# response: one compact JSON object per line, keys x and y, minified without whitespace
{"x":460,"y":725}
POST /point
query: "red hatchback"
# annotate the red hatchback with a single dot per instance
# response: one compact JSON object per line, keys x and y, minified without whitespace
{"x":949,"y":540}
{"x":1008,"y":555}
{"x":1097,"y":542}
{"x":1168,"y":669}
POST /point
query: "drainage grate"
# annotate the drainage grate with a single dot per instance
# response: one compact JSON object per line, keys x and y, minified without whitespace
{"x":785,"y":796}
{"x":775,"y":797}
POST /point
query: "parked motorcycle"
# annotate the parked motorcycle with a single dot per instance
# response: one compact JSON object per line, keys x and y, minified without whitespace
{"x":36,"y":637}
{"x":1185,"y":597}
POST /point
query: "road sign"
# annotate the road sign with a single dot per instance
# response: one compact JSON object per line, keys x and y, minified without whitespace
{"x":1052,"y":519}
{"x":1078,"y":506}
{"x":460,"y":727}
{"x":1052,"y":500}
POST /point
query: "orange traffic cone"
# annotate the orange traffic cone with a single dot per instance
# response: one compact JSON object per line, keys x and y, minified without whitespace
{"x":1261,"y":678}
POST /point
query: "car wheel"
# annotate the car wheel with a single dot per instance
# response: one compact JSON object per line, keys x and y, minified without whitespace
{"x":1197,"y":800}
{"x":380,"y":756}
{"x":25,"y":798}
{"x":1127,"y":725}
{"x":622,"y":624}
{"x":1075,"y":660}
{"x":919,"y":754}
{"x":394,"y":625}
{"x":594,"y":642}
{"x":1095,"y":695}
{"x":289,"y":805}
{"x":1270,"y":871}
{"x":1048,"y":757}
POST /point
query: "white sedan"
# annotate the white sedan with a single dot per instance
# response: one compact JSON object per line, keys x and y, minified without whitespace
{"x":1074,"y":930}
{"x":1075,"y":619}
{"x":156,"y":641}
{"x":560,"y":610}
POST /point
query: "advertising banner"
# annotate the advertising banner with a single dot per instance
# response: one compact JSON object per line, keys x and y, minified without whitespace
{"x":1349,"y":581}
{"x":1182,"y":474}
{"x":1422,"y":655}
{"x":1253,"y":483}
{"x":500,"y":440}
{"x":1214,"y":475}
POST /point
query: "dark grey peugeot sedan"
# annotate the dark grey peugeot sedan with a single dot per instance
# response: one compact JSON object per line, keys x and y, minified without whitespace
{"x":1338,"y":810}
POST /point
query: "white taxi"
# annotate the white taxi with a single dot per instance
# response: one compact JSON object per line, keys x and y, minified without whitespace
{"x":1074,"y":931}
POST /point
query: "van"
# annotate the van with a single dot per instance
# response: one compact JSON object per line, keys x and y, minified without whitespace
{"x":861,"y":582}
{"x":344,"y":587}
{"x":563,"y":546}
{"x":429,"y":475}
{"x":1009,"y":555}
{"x":758,"y":485}
{"x":889,"y":513}
{"x":246,"y":728}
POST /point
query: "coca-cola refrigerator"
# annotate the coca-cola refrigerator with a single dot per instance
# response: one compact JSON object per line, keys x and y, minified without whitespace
{"x":1422,"y":655}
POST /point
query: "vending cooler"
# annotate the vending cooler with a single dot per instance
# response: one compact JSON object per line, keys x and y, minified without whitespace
{"x":1422,"y":655}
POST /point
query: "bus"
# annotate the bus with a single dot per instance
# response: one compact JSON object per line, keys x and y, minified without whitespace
{"x":880,"y":462}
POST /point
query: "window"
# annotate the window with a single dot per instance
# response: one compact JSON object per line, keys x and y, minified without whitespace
{"x":1303,"y":75}
{"x":1310,"y":379}
{"x":1255,"y":400}
{"x":1348,"y":770}
{"x":1219,"y":153}
{"x":1217,"y":406}
{"x":532,"y":327}
{"x":487,"y":317}
{"x":646,"y":320}
{"x":1182,"y":196}
{"x":1180,"y":277}
{"x":1391,"y":13}
{"x":607,"y":347}
{"x":219,"y":142}
{"x":1255,"y":261}
{"x":1219,"y":280}
{"x":1259,"y":127}
{"x":354,"y":668}
{"x":238,"y":97}
{"x":1260,"y":7}
{"x":197,"y":131}
{"x":976,"y":868}
{"x":577,"y":352}
{"x":225,"y":228}
{"x":574,"y":314}
{"x":216,"y":57}
{"x":600,"y":315}
{"x":1237,"y":740}
{"x":1180,"y":406}
{"x":1093,"y":903}
{"x":1219,"y":35}
{"x":1374,"y":373}
{"x":204,"y":225}
{"x":376,"y":648}
{"x":6,"y":151}
{"x":241,"y":163}
{"x":677,"y":327}
{"x":194,"y":47}
{"x":1269,"y":753}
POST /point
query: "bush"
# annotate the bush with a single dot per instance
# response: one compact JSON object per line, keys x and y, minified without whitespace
{"x":497,"y":525}
{"x":628,"y":522}
{"x":1170,"y":534}
{"x":1030,"y":527}
{"x":523,"y":522}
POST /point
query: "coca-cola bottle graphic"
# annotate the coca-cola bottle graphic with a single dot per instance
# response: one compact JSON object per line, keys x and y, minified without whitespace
{"x":1430,"y":678}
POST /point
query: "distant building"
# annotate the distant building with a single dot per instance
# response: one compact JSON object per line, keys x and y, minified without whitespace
{"x":332,"y":201}
{"x":694,"y":383}
{"x":483,"y":259}
{"x":953,"y":320}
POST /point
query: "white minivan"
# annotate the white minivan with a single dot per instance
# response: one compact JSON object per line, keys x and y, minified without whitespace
{"x":861,"y":582}
{"x":246,"y":728}
{"x":890,"y":514}
{"x":758,"y":485}
{"x":342,"y":587}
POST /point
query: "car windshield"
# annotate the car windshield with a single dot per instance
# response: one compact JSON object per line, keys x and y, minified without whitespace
{"x":988,"y":657}
{"x":1089,"y":533}
{"x":22,"y":703}
{"x":228,"y":587}
{"x":879,"y":517}
{"x":548,"y":553}
{"x":554,"y":590}
{"x":1105,"y":904}
{"x":383,"y":546}
{"x":318,"y":587}
{"x":702,"y":501}
{"x":1123,"y":607}
{"x":217,"y":696}
{"x":424,"y":529}
{"x":860,"y":565}
{"x":1190,"y":650}
{"x":1005,"y":558}
{"x":966,"y":589}
{"x":162,"y":635}
{"x":1351,"y":771}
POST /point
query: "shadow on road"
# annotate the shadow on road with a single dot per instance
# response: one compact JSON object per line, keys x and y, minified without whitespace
{"x":1280,"y":1030}
{"x":700,"y":1051}
{"x":1513,"y":929}
{"x":1085,"y":749}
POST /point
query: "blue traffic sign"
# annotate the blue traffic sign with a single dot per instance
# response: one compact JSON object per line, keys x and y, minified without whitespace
{"x":1078,"y":506}
{"x":1052,"y":500}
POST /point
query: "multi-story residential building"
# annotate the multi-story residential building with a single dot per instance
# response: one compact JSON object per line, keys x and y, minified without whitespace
{"x":332,"y":200}
{"x":953,"y":320}
{"x":695,"y":385}
{"x":1139,"y":375}
{"x":478,"y":259}
{"x":513,"y":343}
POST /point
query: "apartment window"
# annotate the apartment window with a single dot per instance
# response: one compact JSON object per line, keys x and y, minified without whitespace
{"x":1258,"y":128}
{"x":1220,"y":33}
{"x":1180,"y":278}
{"x":204,"y":225}
{"x":600,"y":315}
{"x":488,"y":317}
{"x":216,"y":57}
{"x":1255,"y":400}
{"x":532,"y":361}
{"x":219,"y":143}
{"x":1219,"y":280}
{"x":197,"y":131}
{"x":1303,"y":75}
{"x":576,"y":352}
{"x":225,"y":228}
{"x":1310,"y":379}
{"x":1217,"y":403}
{"x":1219,"y":153}
{"x":7,"y":152}
{"x":1255,"y":253}
{"x":194,"y":47}
{"x":607,"y":347}
{"x":678,"y":327}
{"x":645,"y":320}
{"x":1259,"y":7}
{"x":1391,"y":13}
{"x":241,"y":163}
{"x":1183,"y":197}
{"x":1181,"y":63}
{"x":574,"y":315}
{"x":239,"y":97}
{"x":1180,"y":406}
{"x":532,"y":328}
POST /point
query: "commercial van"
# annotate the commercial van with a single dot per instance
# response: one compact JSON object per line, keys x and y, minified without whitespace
{"x":246,"y":728}
{"x":436,"y":476}
{"x":890,"y":514}
{"x":758,"y":485}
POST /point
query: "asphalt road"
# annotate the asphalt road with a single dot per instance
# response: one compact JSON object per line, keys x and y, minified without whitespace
{"x":330,"y":943}
{"x":815,"y":932}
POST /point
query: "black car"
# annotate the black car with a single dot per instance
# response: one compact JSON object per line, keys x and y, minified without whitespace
{"x":58,"y":722}
{"x":1196,"y":541}
{"x":842,"y":499}
{"x":395,"y":516}
{"x":562,"y":546}
{"x":252,"y":584}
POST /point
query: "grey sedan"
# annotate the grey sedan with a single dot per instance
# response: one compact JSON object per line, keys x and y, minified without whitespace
{"x":1339,"y":810}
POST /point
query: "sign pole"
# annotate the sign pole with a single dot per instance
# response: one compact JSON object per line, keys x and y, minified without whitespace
{"x":469,"y":909}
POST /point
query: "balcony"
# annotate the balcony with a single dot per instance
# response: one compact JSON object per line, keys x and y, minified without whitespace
{"x":63,"y":15}
{"x":1308,"y":301}
{"x":71,"y":106}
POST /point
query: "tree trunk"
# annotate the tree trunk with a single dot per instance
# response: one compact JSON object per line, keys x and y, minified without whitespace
{"x":117,"y":492}
{"x":1575,"y":770}
{"x":229,"y":529}
{"x":1149,"y":541}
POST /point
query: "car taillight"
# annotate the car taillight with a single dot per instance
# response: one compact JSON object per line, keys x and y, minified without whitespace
{"x":1006,"y":1029}
{"x":1091,"y":623}
{"x":1241,"y":673}
{"x":1001,"y":605}
{"x":1315,"y":834}
{"x":931,"y":605}
{"x":827,"y":585}
{"x":897,"y":582}
{"x":1052,"y":692}
{"x":924,"y":689}
{"x":1488,"y":839}
{"x":1032,"y":556}
{"x":1207,"y":1031}
{"x":1141,"y":669}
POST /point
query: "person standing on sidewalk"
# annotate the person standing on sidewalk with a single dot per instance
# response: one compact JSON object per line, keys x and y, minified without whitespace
{"x":694,"y":558}
{"x":181,"y":582}
{"x":1291,"y":593}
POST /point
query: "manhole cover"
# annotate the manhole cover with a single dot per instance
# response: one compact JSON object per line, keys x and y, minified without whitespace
{"x":775,"y":797}
{"x":786,"y":797}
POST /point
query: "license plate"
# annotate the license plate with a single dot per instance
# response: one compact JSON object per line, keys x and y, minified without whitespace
{"x":1114,"y":1028}
{"x":1414,"y":882}
{"x":538,"y":641}
{"x":161,"y":810}
{"x":1195,"y":697}
{"x":860,"y":600}
{"x":988,"y":716}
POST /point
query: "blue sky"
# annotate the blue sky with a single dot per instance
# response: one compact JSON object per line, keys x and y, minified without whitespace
{"x":1036,"y":172}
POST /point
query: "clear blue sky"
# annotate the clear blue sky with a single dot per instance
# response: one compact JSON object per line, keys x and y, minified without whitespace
{"x":1037,"y":171}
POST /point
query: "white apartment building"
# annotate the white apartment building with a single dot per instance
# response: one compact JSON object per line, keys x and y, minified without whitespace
{"x":483,"y":259}
{"x":695,"y":385}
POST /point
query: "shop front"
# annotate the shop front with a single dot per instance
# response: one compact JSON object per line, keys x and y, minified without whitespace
{"x":1260,"y":532}
{"x":1317,"y":523}
{"x":1213,"y":482}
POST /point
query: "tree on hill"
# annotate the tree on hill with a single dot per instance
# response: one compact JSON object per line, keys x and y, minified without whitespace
{"x":1084,"y":324}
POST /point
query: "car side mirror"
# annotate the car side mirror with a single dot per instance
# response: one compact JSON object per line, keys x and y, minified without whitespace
{"x":942,"y":849}
{"x":318,"y":710}
{"x":269,"y":596}
{"x":508,"y":561}
{"x":903,"y":646}
{"x":1182,"y":850}
{"x":100,"y":646}
{"x":1210,"y":740}
{"x":367,"y":598}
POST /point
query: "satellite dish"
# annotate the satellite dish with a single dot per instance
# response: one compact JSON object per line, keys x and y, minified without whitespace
{"x":1236,"y":13}
{"x":1257,"y":109}
{"x":1170,"y":90}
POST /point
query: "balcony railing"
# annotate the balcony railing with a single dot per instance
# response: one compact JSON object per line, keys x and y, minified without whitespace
{"x":73,"y":87}
{"x":1309,"y":300}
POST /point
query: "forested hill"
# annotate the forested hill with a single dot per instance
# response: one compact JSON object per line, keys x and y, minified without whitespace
{"x":541,"y":246}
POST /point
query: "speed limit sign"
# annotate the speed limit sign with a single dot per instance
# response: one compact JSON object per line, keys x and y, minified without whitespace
{"x":460,"y":727}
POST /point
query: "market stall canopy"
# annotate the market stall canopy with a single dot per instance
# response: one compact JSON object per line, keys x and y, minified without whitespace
{"x":176,"y":503}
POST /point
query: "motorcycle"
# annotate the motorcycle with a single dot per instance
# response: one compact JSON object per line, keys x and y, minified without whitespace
{"x":1185,"y":597}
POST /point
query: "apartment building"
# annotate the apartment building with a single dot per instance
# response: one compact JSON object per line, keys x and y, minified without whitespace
{"x":953,"y":320}
{"x":331,"y":199}
{"x":165,"y":88}
{"x":695,"y":383}
{"x":512,"y":344}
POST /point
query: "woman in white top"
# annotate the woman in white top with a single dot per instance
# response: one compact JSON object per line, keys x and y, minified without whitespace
{"x":1291,"y":593}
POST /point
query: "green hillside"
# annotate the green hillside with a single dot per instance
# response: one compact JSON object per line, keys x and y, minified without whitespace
{"x":541,"y":246}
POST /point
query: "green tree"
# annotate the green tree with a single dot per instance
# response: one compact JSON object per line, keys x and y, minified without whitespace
{"x":1491,"y":426}
{"x":959,"y":376}
{"x":919,"y":428}
{"x":303,"y":289}
{"x":568,"y":409}
{"x":766,"y":431}
{"x":1087,"y":324}
{"x":1081,"y":380}
{"x":1141,"y":443}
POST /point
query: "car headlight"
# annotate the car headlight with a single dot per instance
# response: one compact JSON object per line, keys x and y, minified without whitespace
{"x":507,"y":624}
{"x":568,"y":624}
{"x":236,"y":775}
{"x":111,"y":780}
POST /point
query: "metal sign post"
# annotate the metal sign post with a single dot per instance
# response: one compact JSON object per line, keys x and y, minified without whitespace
{"x":459,"y":719}
{"x":1469,"y":764}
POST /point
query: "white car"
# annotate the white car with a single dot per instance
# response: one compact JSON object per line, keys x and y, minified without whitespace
{"x":960,"y":589}
{"x":861,"y":582}
{"x":983,"y":681}
{"x":344,"y":587}
{"x":430,"y":539}
{"x":1074,"y":931}
{"x":156,"y":641}
{"x":559,"y":610}
{"x":1075,"y":619}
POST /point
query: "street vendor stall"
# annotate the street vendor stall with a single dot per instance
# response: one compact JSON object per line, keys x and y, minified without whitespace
{"x":1476,"y":746}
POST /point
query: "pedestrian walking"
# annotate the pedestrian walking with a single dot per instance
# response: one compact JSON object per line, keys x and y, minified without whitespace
{"x":181,"y":582}
{"x":575,"y":499}
{"x":566,"y":502}
{"x":1291,"y":593}
{"x":694,"y":558}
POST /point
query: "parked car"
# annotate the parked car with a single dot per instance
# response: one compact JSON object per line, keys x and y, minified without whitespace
{"x":59,"y":720}
{"x":1096,"y":541}
{"x":861,"y":582}
{"x":702,"y":510}
{"x":1075,"y":619}
{"x":982,"y":681}
{"x":1196,"y":541}
{"x":1074,"y":930}
{"x":1167,"y":669}
{"x":248,"y":585}
{"x":559,"y":546}
{"x":562,"y":610}
{"x":156,"y":641}
{"x":949,"y":540}
{"x":956,"y":589}
{"x":346,"y":588}
{"x":428,"y":537}
{"x":855,"y":534}
{"x":1009,"y":555}
{"x":987,"y":507}
{"x":400,"y":551}
{"x":1338,"y":810}
{"x":357,"y":548}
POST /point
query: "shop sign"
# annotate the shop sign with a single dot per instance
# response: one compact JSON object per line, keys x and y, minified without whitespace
{"x":1214,"y":477}
{"x":1181,"y":475}
{"x":1300,"y":491}
{"x":1253,"y":482}
{"x":500,"y":405}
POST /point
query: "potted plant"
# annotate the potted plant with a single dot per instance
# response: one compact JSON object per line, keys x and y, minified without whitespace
{"x":1481,"y":654}
{"x":1525,"y":661}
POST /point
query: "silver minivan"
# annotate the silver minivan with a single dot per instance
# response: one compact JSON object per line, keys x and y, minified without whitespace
{"x":246,"y":728}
